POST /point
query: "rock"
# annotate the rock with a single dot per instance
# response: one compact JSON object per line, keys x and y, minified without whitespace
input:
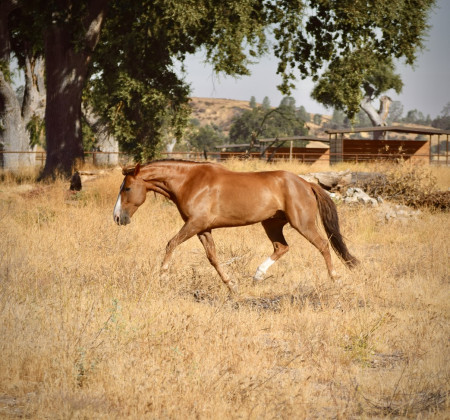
{"x":350,"y":200}
{"x":342,"y":179}
{"x":357,"y":195}
{"x":396,"y":213}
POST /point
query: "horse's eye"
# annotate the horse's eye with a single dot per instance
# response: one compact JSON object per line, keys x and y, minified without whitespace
{"x":127,"y":188}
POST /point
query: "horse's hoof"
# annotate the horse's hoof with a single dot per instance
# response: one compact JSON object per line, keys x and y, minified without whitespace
{"x":233,"y":287}
{"x":337,"y":279}
{"x":259,"y":276}
{"x":164,"y":276}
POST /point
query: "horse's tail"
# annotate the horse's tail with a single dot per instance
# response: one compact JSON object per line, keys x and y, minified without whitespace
{"x":330,"y":219}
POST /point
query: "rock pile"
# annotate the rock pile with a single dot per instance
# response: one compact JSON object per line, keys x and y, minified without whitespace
{"x":387,"y":212}
{"x":343,"y":191}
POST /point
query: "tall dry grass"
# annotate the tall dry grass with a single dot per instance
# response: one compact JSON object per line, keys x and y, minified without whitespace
{"x":88,"y":329}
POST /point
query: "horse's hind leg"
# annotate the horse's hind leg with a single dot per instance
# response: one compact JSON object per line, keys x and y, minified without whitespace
{"x":274,"y":230}
{"x":306,"y":226}
{"x":208,"y":243}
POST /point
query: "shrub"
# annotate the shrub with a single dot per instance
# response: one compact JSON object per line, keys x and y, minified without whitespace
{"x":411,"y":185}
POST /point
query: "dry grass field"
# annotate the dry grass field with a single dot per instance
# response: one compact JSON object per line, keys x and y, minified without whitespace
{"x":89,"y":330}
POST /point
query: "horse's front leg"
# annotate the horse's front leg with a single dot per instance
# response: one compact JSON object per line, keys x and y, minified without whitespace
{"x":186,"y":232}
{"x":208,"y":243}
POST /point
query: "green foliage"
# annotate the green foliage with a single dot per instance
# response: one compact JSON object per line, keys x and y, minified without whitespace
{"x":278,"y":122}
{"x":315,"y":33}
{"x":4,"y":68}
{"x":266,"y":103}
{"x":395,"y":112}
{"x":442,"y":122}
{"x":317,"y":119}
{"x":446,"y":110}
{"x":338,"y":120}
{"x":288,"y":102}
{"x":89,"y":138}
{"x":36,"y":129}
{"x":362,"y":120}
{"x":206,"y":137}
{"x":303,"y":115}
{"x":347,"y":80}
{"x":252,"y":102}
{"x":133,"y":83}
{"x":415,"y":116}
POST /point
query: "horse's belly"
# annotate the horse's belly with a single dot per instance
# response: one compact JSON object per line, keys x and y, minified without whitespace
{"x":243,"y":214}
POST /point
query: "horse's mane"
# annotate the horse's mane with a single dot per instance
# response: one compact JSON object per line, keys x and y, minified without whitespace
{"x":129,"y":170}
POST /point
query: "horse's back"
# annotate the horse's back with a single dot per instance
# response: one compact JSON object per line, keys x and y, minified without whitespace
{"x":228,"y":198}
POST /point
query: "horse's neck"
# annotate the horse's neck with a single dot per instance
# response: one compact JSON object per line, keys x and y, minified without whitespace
{"x":166,"y":178}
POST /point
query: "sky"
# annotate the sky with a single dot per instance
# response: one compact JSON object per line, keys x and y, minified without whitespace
{"x":426,"y":85}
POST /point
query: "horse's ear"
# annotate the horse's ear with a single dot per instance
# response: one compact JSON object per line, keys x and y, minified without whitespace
{"x":137,"y":168}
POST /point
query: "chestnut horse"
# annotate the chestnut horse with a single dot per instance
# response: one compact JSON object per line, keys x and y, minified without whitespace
{"x":209,"y":196}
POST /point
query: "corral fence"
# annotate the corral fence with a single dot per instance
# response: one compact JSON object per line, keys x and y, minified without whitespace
{"x":38,"y":158}
{"x":427,"y":145}
{"x":431,"y":146}
{"x":307,"y":157}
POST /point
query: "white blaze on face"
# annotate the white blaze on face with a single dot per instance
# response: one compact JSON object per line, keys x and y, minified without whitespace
{"x":118,"y":206}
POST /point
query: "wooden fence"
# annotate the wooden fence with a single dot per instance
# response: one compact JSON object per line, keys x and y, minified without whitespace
{"x":308,"y":156}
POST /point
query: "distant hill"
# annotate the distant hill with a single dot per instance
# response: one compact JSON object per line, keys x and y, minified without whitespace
{"x":220,"y":111}
{"x":217,"y":111}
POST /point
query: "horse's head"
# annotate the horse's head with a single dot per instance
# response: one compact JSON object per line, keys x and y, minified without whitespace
{"x":131,"y":195}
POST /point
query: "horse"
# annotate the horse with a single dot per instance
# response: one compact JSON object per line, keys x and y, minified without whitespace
{"x":209,"y":196}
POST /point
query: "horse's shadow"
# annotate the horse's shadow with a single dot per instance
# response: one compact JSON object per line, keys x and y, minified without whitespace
{"x":298,"y":298}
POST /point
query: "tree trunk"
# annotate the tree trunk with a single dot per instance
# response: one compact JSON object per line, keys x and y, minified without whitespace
{"x":378,"y":118}
{"x":66,"y":67}
{"x":106,"y":143}
{"x":66,"y":72}
{"x":14,"y":138}
{"x":33,"y":104}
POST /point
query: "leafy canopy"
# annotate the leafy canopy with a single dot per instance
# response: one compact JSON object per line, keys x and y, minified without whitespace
{"x":346,"y":81}
{"x":137,"y":89}
{"x":205,"y":138}
{"x":134,"y":84}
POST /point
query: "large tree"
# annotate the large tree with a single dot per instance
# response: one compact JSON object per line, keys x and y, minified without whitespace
{"x":133,"y":75}
{"x":19,"y":115}
{"x":344,"y":89}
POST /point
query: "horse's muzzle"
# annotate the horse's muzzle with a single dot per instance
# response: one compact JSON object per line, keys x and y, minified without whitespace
{"x":122,"y":219}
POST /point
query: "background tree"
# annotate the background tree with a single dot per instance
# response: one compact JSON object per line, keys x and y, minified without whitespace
{"x":443,"y":120}
{"x":303,"y":115}
{"x":337,"y":87}
{"x":338,"y":120}
{"x":309,"y":35}
{"x":278,"y":122}
{"x":206,"y":137}
{"x":67,"y":33}
{"x":287,"y":102}
{"x":252,"y":102}
{"x":20,"y":115}
{"x":317,"y":119}
{"x":415,"y":116}
{"x":395,"y":112}
{"x":266,"y":103}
